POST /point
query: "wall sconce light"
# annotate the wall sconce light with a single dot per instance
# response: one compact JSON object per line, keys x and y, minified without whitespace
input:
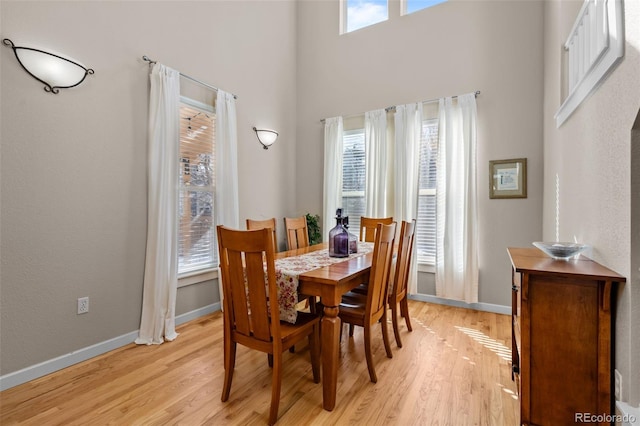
{"x":54,"y":71}
{"x":266,"y":137}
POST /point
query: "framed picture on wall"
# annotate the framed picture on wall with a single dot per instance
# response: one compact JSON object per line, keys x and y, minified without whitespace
{"x":508,"y":178}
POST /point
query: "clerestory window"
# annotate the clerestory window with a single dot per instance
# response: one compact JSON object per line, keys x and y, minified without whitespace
{"x":358,"y":14}
{"x":410,"y":6}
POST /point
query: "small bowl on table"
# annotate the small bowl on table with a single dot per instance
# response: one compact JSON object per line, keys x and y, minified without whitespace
{"x":561,"y":251}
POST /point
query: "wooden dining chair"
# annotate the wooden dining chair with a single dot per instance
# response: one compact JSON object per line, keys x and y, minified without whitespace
{"x":367,"y":310}
{"x":297,"y":232}
{"x":368,"y":227}
{"x":253,"y":224}
{"x":249,"y":318}
{"x":398,"y":287}
{"x":298,"y":237}
{"x":368,"y":234}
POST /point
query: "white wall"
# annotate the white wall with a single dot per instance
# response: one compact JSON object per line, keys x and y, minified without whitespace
{"x":592,"y":157}
{"x":453,"y":48}
{"x":73,"y":165}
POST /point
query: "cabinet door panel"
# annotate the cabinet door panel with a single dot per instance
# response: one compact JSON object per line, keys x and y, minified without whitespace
{"x":563,"y":321}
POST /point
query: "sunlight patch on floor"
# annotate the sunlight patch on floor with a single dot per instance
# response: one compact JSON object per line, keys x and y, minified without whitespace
{"x":493,"y":345}
{"x":508,"y":391}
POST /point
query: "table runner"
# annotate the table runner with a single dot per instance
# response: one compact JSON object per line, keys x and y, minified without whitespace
{"x":289,"y":269}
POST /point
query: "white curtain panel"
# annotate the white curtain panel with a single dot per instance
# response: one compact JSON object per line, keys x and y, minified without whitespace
{"x":226,"y":208}
{"x":375,"y":148}
{"x":332,"y":191}
{"x":457,"y":228}
{"x":408,"y":135}
{"x":161,"y":263}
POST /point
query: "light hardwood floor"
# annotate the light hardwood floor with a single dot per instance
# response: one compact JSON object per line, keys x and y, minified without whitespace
{"x":453,"y":369}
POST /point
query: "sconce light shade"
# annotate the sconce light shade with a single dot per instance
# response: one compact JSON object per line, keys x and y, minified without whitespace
{"x":266,"y":137}
{"x":54,"y":71}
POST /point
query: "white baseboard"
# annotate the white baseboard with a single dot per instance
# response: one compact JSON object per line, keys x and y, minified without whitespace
{"x":206,"y":310}
{"x":47,"y":367}
{"x":487,"y":307}
{"x":626,"y":414}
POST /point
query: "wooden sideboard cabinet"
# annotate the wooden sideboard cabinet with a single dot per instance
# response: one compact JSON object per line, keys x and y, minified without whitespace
{"x":562,"y":337}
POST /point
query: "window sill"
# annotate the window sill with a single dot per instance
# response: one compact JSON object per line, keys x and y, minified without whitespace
{"x":197,"y":277}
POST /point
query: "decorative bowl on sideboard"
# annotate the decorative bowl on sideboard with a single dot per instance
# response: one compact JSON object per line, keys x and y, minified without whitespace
{"x":560,"y":250}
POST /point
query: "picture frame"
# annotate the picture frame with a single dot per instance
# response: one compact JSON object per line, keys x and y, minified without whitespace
{"x":508,"y":178}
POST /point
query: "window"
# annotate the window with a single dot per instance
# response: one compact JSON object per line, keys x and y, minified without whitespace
{"x":358,"y":14}
{"x":410,"y":6}
{"x":354,"y":182}
{"x":353,"y":178}
{"x":353,"y":187}
{"x":426,"y":222}
{"x":362,"y":13}
{"x":196,"y":235}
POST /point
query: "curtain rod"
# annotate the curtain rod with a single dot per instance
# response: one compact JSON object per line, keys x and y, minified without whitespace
{"x":393,"y":108}
{"x":151,"y":61}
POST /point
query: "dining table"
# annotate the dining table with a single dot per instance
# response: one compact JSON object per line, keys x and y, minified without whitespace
{"x":330,"y":282}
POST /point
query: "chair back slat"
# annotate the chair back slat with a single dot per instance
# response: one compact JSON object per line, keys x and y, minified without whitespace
{"x":258,"y":297}
{"x":235,"y":291}
{"x":403,"y":260}
{"x":380,"y":269}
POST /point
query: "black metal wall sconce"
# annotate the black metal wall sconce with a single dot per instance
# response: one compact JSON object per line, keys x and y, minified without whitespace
{"x":266,"y":137}
{"x":54,"y":71}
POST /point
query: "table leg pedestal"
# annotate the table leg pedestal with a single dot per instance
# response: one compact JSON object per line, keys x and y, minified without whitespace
{"x":331,"y":344}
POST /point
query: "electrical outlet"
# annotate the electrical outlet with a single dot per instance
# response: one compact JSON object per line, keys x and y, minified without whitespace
{"x":83,"y":305}
{"x":618,"y":385}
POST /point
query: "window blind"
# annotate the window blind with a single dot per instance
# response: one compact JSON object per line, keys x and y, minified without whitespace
{"x":426,"y":222}
{"x":196,"y":234}
{"x":353,"y":178}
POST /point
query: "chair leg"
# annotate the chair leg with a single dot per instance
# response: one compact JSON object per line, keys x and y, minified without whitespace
{"x":367,"y":352}
{"x":314,"y":346}
{"x":385,"y":334}
{"x":395,"y":320}
{"x":230,"y":363}
{"x":351,"y":328}
{"x":404,"y":307}
{"x":276,"y":384}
